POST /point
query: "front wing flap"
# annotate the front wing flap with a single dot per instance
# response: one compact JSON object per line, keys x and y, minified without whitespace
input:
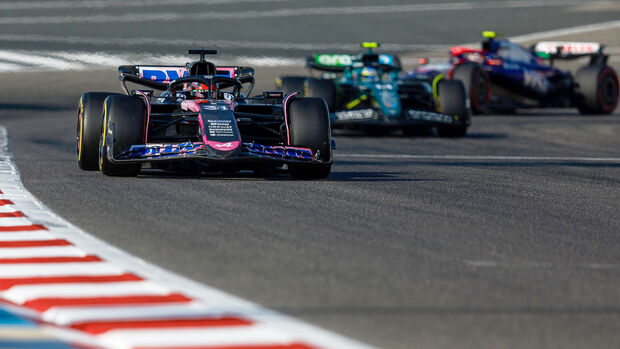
{"x":197,"y":150}
{"x":408,"y":117}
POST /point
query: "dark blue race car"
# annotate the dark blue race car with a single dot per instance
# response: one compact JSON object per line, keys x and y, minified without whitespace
{"x":504,"y":76}
{"x":365,"y":91}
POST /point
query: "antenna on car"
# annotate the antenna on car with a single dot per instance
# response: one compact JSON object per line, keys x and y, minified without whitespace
{"x":202,"y":53}
{"x":369,"y":45}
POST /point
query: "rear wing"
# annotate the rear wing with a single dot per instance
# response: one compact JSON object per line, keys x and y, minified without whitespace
{"x":159,"y":76}
{"x":570,"y":50}
{"x":340,"y":62}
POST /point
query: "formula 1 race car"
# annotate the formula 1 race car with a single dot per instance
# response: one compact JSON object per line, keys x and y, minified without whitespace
{"x":503,"y":76}
{"x":364,"y":91}
{"x":201,"y":120}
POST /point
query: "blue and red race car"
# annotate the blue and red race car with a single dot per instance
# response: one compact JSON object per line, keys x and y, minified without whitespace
{"x":502,"y":76}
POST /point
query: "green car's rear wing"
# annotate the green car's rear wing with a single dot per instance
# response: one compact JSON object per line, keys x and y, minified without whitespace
{"x":337,"y":63}
{"x":330,"y":62}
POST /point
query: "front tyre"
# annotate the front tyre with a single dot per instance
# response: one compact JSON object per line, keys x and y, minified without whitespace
{"x":90,"y":113}
{"x":597,"y":91}
{"x":310,"y":128}
{"x":124,"y":123}
{"x":452,"y":101}
{"x":477,"y":85}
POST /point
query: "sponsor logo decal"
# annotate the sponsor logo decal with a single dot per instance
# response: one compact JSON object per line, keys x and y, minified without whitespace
{"x":429,"y":116}
{"x":162,"y":74}
{"x":146,"y":150}
{"x":535,"y":81}
{"x":334,"y":60}
{"x":359,"y":114}
{"x":546,"y":48}
{"x":227,"y":145}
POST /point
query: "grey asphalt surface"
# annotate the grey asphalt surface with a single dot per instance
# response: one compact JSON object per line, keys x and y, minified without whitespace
{"x":395,"y":252}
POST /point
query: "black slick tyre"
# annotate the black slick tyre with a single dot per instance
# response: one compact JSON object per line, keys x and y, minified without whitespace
{"x":90,"y":113}
{"x":322,"y":88}
{"x":477,"y":85}
{"x":124,"y":123}
{"x":310,"y":128}
{"x":452,"y":101}
{"x":597,"y":90}
{"x":290,"y":84}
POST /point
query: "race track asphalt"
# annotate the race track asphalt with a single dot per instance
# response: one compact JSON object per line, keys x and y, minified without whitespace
{"x":459,"y":251}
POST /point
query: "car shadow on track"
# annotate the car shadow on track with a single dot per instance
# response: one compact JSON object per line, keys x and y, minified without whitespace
{"x":335,"y":176}
{"x":482,"y":135}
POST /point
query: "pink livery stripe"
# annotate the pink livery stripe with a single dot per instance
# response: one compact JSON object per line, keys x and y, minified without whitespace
{"x":34,"y":243}
{"x":99,"y":327}
{"x":43,"y":304}
{"x":7,"y":283}
{"x":87,"y":258}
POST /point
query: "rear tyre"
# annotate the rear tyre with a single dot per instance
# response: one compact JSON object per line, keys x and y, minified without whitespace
{"x":310,"y":128}
{"x":597,"y":91}
{"x":452,"y":101}
{"x":290,"y":84}
{"x":90,"y":113}
{"x":124,"y":120}
{"x":477,"y":85}
{"x":322,"y":88}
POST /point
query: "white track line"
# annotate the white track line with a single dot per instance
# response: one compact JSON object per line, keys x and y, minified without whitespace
{"x":58,"y":269}
{"x":256,"y":335}
{"x":206,"y":42}
{"x":26,"y":236}
{"x":566,"y":31}
{"x":495,"y":264}
{"x":21,"y":294}
{"x":13,"y":221}
{"x":68,"y":315}
{"x":482,"y":158}
{"x":62,"y":60}
{"x":30,"y":252}
{"x":290,"y":12}
{"x":35,"y":59}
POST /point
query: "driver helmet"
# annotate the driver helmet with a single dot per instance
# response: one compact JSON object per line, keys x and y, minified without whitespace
{"x":197,"y":90}
{"x":369,"y":74}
